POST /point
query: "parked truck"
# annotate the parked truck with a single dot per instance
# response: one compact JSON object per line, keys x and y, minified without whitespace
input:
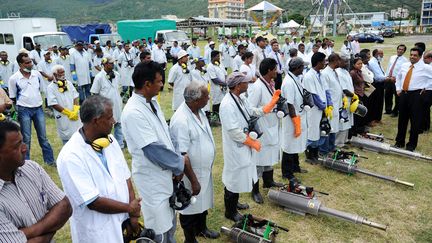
{"x":159,"y":29}
{"x":17,"y":33}
{"x":91,"y":33}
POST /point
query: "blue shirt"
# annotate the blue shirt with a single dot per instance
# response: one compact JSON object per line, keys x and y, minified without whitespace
{"x":375,"y":67}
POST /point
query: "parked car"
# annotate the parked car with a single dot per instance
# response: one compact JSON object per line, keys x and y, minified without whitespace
{"x":369,"y":38}
{"x":388,"y":33}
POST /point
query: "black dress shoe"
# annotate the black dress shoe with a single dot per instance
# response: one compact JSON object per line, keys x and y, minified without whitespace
{"x":242,"y":206}
{"x":210,"y":234}
{"x":398,"y":145}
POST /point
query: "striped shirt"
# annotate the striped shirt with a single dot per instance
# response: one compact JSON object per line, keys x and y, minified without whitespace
{"x":26,"y":201}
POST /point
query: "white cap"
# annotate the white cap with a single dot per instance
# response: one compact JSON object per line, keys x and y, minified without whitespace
{"x":96,"y":42}
{"x":181,"y":54}
{"x":212,"y":43}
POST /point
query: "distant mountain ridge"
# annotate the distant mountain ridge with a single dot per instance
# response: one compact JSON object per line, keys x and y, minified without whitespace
{"x":88,"y":11}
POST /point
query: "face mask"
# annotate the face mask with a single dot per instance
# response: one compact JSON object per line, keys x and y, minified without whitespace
{"x":379,"y":59}
{"x":27,"y":70}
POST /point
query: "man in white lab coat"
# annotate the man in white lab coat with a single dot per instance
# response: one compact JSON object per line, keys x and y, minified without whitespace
{"x":179,"y":77}
{"x":63,"y":98}
{"x":294,"y":126}
{"x":259,"y":94}
{"x":126,"y":62}
{"x":224,"y":49}
{"x":200,"y":74}
{"x":64,"y":60}
{"x":217,"y":73}
{"x":192,"y":135}
{"x":239,"y":171}
{"x":313,"y":83}
{"x":96,"y":178}
{"x":334,"y":87}
{"x":80,"y":66}
{"x":158,"y":55}
{"x":107,"y":84}
{"x":154,"y":160}
{"x":36,"y":54}
{"x":6,"y":69}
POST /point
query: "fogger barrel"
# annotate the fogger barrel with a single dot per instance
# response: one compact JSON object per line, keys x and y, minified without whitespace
{"x":352,"y":169}
{"x":300,"y":204}
{"x":385,"y":148}
{"x":240,"y":236}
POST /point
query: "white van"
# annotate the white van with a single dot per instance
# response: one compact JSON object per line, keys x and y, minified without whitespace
{"x":17,"y":33}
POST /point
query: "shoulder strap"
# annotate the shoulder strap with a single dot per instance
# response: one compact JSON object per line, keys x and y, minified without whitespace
{"x":301,"y":93}
{"x":238,"y":106}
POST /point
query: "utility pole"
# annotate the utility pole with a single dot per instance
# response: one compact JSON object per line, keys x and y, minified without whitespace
{"x":335,"y":3}
{"x":400,"y":19}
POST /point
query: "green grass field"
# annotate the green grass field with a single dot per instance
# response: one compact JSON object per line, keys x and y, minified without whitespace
{"x":407,"y":212}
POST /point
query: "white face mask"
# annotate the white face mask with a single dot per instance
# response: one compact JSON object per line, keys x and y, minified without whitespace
{"x":27,"y":70}
{"x":379,"y":59}
{"x":62,"y":78}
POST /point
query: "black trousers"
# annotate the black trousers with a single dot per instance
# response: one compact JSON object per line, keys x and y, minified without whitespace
{"x":376,"y":102}
{"x":427,"y":102}
{"x":360,"y":122}
{"x":410,"y":110}
{"x":215,"y":109}
{"x":389,"y":93}
{"x":174,"y":61}
{"x":278,"y":81}
{"x":197,"y":222}
{"x":163,"y":66}
{"x":290,"y":164}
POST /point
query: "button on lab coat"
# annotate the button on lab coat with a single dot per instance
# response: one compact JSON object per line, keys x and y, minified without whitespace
{"x":180,"y":81}
{"x":194,"y":137}
{"x":84,"y":177}
{"x":259,"y":96}
{"x":239,"y":171}
{"x":141,"y":127}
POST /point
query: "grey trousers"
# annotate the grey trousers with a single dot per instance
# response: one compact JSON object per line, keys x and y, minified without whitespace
{"x":169,"y":236}
{"x":262,"y":169}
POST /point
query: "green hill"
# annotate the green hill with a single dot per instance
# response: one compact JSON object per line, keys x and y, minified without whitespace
{"x":85,"y":11}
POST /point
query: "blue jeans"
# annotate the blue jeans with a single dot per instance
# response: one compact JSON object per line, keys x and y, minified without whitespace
{"x":118,"y":134}
{"x":329,"y":144}
{"x":84,"y":92}
{"x":25,"y":117}
{"x":317,"y":143}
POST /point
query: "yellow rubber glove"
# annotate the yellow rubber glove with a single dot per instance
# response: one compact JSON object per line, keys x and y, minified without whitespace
{"x":67,"y":112}
{"x":345,"y":102}
{"x":328,"y":111}
{"x":2,"y":117}
{"x":354,"y":105}
{"x":354,"y":98}
{"x":269,"y":107}
{"x":255,"y":144}
{"x":75,"y":113}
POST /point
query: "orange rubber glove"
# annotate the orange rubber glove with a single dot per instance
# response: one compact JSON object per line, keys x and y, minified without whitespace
{"x":269,"y":107}
{"x":255,"y":144}
{"x":297,"y":126}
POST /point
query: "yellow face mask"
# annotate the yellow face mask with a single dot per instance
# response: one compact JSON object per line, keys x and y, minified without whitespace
{"x":217,"y":63}
{"x":62,"y":86}
{"x":5,"y":62}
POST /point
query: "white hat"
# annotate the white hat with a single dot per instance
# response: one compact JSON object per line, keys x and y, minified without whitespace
{"x":212,"y":43}
{"x":181,"y":54}
{"x":96,"y":42}
{"x":23,"y":50}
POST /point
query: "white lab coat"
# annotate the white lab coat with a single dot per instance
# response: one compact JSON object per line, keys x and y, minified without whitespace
{"x":6,"y":70}
{"x":248,"y":70}
{"x":180,"y":80}
{"x":292,"y":90}
{"x":328,"y":75}
{"x":226,"y":58}
{"x":314,"y":85}
{"x":239,"y":171}
{"x":65,"y":127}
{"x":84,"y":177}
{"x":258,"y":96}
{"x":216,"y":92}
{"x":346,"y":83}
{"x":36,"y":56}
{"x":195,"y":137}
{"x":126,"y":71}
{"x":82,"y":66}
{"x":203,"y":78}
{"x":45,"y":67}
{"x":142,"y":127}
{"x":237,"y":62}
{"x":109,"y":89}
{"x":65,"y":62}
